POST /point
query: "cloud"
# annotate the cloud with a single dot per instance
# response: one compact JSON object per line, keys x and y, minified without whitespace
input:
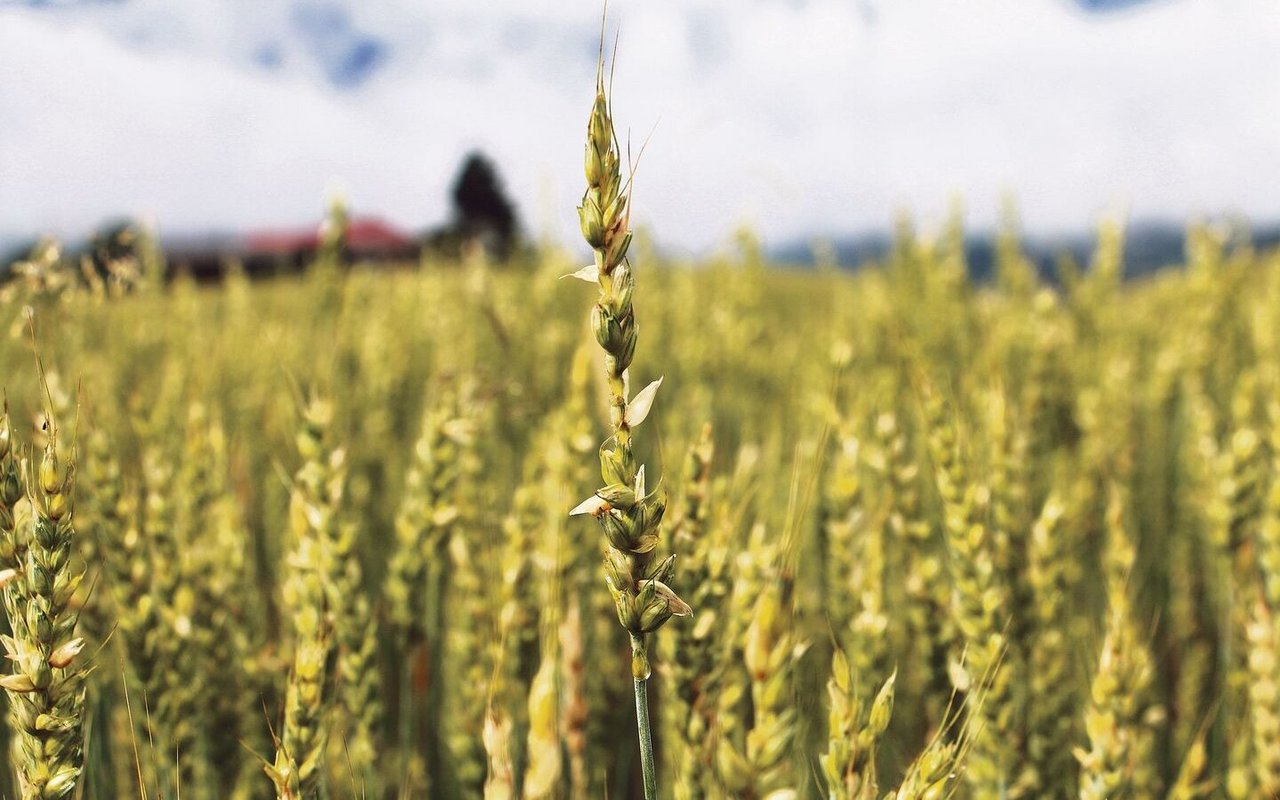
{"x":797,"y":117}
{"x":348,"y":56}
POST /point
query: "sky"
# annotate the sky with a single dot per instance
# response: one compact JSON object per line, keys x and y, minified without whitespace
{"x":798,"y":118}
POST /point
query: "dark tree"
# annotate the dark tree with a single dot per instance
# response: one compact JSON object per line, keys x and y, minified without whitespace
{"x":481,"y":209}
{"x":114,"y":241}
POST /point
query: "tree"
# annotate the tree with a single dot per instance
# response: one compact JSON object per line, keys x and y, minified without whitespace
{"x":482,"y":211}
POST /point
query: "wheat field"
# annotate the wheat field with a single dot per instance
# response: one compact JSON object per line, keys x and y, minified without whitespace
{"x":310,"y":537}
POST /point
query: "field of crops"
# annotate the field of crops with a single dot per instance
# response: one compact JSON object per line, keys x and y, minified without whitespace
{"x":1006,"y":541}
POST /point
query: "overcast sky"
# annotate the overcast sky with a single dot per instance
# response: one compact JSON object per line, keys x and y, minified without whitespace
{"x":798,"y":118}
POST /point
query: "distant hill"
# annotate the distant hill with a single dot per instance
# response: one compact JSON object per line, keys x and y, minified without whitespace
{"x":1148,"y":247}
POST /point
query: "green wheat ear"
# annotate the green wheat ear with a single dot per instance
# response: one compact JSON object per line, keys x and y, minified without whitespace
{"x":629,"y":514}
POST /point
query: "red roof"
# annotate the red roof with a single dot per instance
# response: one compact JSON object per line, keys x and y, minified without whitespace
{"x":363,"y":235}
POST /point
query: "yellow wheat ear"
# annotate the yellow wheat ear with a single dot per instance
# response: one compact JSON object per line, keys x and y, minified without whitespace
{"x":47,"y":687}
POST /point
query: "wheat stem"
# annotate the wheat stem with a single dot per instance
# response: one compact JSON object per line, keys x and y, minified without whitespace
{"x":645,"y":732}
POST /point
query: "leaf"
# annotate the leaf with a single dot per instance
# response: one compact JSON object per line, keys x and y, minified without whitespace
{"x":638,"y":408}
{"x":590,"y":273}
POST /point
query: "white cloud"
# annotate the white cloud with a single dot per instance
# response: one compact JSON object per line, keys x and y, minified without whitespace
{"x":797,"y":117}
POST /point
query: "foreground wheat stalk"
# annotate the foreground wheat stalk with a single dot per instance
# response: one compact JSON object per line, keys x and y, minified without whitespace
{"x":628,"y":513}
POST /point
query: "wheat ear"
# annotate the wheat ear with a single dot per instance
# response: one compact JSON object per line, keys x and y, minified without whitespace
{"x":628,"y":513}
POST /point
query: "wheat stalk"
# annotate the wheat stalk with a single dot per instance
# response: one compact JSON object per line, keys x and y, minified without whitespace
{"x":854,"y":731}
{"x":1119,"y":759}
{"x":628,"y":513}
{"x":298,"y":771}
